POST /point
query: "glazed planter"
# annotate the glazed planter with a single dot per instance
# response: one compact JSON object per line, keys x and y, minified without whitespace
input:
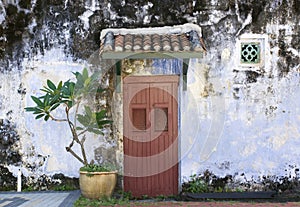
{"x":96,"y":185}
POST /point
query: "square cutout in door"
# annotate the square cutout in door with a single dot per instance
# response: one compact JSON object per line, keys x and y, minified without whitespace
{"x":139,"y":118}
{"x":161,"y":119}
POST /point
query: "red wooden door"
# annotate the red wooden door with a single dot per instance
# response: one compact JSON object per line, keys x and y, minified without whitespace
{"x":150,"y":135}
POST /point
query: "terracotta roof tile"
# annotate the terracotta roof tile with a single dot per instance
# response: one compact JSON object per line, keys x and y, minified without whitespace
{"x":147,"y":43}
{"x":186,"y":45}
{"x":119,"y":43}
{"x":175,"y":43}
{"x":140,"y":41}
{"x":156,"y":42}
{"x":128,"y":42}
{"x":166,"y":43}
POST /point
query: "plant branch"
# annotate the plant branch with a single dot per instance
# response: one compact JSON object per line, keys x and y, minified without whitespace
{"x":71,"y":126}
{"x":84,"y":131}
{"x":82,"y":149}
{"x":71,"y":144}
{"x":76,"y":111}
{"x":83,"y":139}
{"x":58,"y":120}
{"x":75,"y":155}
{"x":75,"y":137}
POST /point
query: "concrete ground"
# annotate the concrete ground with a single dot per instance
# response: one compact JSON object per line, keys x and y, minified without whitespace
{"x":39,"y":199}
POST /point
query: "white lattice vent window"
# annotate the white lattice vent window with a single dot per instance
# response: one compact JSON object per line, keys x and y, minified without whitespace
{"x":251,"y":50}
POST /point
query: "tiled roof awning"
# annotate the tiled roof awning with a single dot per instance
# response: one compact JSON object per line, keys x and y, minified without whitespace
{"x":182,"y":41}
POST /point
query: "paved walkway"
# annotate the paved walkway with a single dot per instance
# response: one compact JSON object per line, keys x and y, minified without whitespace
{"x":67,"y":199}
{"x":39,"y":199}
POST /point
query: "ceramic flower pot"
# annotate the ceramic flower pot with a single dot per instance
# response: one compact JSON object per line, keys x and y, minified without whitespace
{"x":96,"y":185}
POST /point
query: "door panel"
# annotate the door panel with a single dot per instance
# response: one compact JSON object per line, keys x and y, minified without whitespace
{"x":150,"y":135}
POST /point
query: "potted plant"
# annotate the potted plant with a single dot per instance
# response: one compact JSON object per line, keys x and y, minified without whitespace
{"x":95,"y":181}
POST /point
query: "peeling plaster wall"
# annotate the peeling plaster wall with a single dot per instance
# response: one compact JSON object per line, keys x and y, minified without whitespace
{"x":49,"y":139}
{"x":247,"y":122}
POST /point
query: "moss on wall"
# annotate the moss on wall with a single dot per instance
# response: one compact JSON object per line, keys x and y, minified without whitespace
{"x":30,"y":28}
{"x":7,"y":180}
{"x":9,"y":144}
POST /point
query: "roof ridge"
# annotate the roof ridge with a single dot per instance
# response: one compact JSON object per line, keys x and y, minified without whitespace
{"x":176,"y":29}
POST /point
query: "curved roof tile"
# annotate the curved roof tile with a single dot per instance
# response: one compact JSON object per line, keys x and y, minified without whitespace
{"x":181,"y":40}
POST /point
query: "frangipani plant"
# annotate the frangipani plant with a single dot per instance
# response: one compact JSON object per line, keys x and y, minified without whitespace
{"x":71,"y":95}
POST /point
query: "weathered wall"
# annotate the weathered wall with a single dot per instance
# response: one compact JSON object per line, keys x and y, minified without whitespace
{"x":247,"y":118}
{"x":249,"y":123}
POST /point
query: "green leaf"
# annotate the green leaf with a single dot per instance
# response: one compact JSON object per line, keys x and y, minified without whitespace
{"x":80,"y":80}
{"x":83,"y":120}
{"x":46,"y":90}
{"x":102,"y":113}
{"x":96,"y":168}
{"x":37,"y":101}
{"x":95,"y":131}
{"x":79,"y":128}
{"x":70,"y":103}
{"x":51,"y":85}
{"x":87,"y":82}
{"x":94,"y":126}
{"x":103,"y":122}
{"x":59,"y":86}
{"x":30,"y":109}
{"x":54,"y":99}
{"x":39,"y":116}
{"x":54,"y":106}
{"x":46,"y":117}
{"x":85,"y":74}
{"x":88,"y":111}
{"x":68,"y":89}
{"x":38,"y":111}
{"x":100,"y":90}
{"x":72,"y":86}
{"x":46,"y":100}
{"x":46,"y":109}
{"x":76,"y":73}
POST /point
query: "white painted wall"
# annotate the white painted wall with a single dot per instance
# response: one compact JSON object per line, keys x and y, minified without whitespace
{"x":257,"y":134}
{"x":42,"y":144}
